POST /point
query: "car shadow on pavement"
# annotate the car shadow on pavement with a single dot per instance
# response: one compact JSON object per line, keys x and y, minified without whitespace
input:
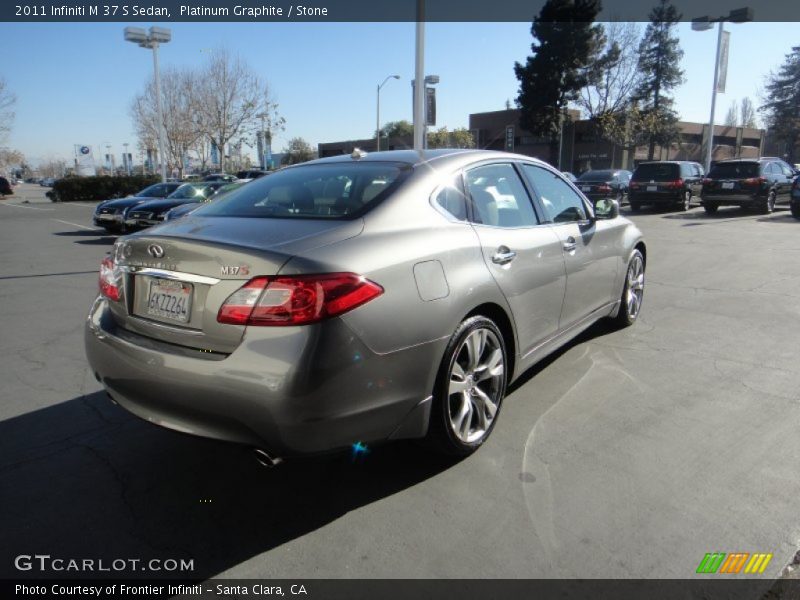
{"x":598,"y":329}
{"x":780,"y":217}
{"x":85,"y":479}
{"x":94,"y":238}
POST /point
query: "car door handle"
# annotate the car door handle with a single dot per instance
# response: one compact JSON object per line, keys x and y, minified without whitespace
{"x":570,"y":244}
{"x":503,"y":256}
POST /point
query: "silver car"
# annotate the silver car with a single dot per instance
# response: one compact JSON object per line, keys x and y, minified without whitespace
{"x":357,"y":299}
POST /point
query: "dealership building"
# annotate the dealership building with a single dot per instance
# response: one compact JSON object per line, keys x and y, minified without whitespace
{"x":581,"y":148}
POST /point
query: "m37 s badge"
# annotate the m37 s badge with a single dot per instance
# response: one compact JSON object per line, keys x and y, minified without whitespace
{"x":235,"y":270}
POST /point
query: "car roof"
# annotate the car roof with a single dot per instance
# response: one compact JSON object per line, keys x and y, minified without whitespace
{"x":743,"y":160}
{"x":440,"y":156}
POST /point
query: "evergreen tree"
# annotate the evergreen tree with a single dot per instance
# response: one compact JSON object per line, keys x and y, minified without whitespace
{"x":565,"y":44}
{"x":782,"y":105}
{"x":659,"y":62}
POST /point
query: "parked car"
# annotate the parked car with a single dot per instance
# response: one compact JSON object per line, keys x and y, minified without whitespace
{"x":604,"y":183}
{"x":249,"y":175}
{"x":47,"y":182}
{"x":184,"y":209}
{"x":5,"y":187}
{"x":569,"y":176}
{"x":665,"y":183}
{"x":758,"y":183}
{"x":110,"y":214}
{"x":147,"y":214}
{"x":220,"y":177}
{"x":358,"y":299}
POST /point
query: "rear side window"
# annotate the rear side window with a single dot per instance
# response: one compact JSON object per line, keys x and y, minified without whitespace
{"x":338,"y":190}
{"x":499,"y":198}
{"x":597,"y":176}
{"x":741,"y":170}
{"x":656,"y":172}
{"x":450,"y":198}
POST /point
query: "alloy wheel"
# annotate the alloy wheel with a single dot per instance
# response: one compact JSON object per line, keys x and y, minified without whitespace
{"x":635,"y":287}
{"x":475,"y":385}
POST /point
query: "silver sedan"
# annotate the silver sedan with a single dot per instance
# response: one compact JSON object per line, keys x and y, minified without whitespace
{"x":357,"y":299}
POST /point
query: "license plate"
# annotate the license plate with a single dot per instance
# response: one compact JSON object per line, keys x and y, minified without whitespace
{"x":652,"y":188}
{"x":585,"y":188}
{"x":103,"y":217}
{"x":727,"y":185}
{"x":170,"y":300}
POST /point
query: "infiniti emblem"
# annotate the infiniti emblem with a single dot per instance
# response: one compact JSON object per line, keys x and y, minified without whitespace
{"x":155,"y":250}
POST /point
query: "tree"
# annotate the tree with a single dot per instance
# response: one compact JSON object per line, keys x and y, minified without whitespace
{"x":181,"y":131}
{"x":614,"y":74}
{"x":228,"y":99}
{"x":732,"y":116}
{"x":458,"y":138}
{"x":747,"y":113}
{"x":11,"y":158}
{"x":565,"y":44}
{"x":781,"y":107}
{"x":7,"y":102}
{"x":397,"y":129}
{"x":659,"y":63}
{"x":297,"y":151}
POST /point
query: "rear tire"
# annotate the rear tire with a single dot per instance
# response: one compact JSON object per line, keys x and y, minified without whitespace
{"x":632,"y":291}
{"x":795,"y":207}
{"x":768,"y":204}
{"x":686,"y":202}
{"x":635,"y":206}
{"x":469,"y":389}
{"x":710,"y":208}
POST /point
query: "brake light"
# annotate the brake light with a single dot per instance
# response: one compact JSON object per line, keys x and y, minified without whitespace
{"x":603,"y":188}
{"x":707,"y":181}
{"x":633,"y":185}
{"x":108,"y":280}
{"x":757,"y":181}
{"x":677,"y":184}
{"x":296,"y":300}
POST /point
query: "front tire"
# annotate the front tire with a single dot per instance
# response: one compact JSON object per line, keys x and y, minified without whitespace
{"x":710,"y":208}
{"x":632,"y":291}
{"x":469,"y":388}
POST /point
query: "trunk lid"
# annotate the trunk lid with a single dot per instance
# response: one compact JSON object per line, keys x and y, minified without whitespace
{"x":176,"y":276}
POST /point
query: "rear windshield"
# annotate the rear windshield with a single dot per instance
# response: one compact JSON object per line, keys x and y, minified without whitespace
{"x":597,"y":176}
{"x":657,"y":172}
{"x":338,"y":190}
{"x":741,"y":170}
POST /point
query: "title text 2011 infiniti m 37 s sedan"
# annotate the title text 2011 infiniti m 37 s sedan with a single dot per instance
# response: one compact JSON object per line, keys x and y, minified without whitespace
{"x":358,"y":299}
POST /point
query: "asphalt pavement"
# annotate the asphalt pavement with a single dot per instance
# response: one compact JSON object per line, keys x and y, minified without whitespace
{"x":627,"y":454}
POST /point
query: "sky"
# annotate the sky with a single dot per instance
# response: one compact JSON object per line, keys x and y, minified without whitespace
{"x":74,"y":82}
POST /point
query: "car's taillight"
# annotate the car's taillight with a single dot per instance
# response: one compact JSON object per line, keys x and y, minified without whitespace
{"x":677,"y":184}
{"x":757,"y":181}
{"x":633,"y":185}
{"x":297,"y":299}
{"x":108,"y":280}
{"x":603,"y":188}
{"x":707,"y":181}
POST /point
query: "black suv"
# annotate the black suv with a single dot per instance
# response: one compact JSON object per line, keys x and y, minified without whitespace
{"x":757,"y":183}
{"x":665,"y":182}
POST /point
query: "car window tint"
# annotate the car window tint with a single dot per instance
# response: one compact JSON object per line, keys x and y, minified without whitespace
{"x":734,"y":170}
{"x":656,"y":172}
{"x":498,"y":197}
{"x":336,"y":190}
{"x":450,"y":198}
{"x":561,"y":203}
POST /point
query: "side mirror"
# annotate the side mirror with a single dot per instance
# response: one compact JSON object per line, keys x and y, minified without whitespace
{"x":607,"y":208}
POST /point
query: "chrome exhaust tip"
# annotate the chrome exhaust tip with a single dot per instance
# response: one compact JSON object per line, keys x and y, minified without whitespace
{"x":265,"y":459}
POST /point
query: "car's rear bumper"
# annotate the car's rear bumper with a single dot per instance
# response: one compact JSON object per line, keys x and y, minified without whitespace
{"x":665,"y":197}
{"x":731,"y":199}
{"x":289,"y":390}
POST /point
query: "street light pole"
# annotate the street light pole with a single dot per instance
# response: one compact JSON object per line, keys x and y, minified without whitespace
{"x":378,"y":113}
{"x":419,"y":75}
{"x":162,"y":145}
{"x":152,"y":39}
{"x":740,"y":15}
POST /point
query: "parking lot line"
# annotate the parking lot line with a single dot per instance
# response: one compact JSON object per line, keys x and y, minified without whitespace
{"x":77,"y":225}
{"x":20,"y":206}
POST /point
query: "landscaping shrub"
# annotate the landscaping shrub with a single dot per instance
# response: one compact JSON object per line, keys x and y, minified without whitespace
{"x":73,"y":189}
